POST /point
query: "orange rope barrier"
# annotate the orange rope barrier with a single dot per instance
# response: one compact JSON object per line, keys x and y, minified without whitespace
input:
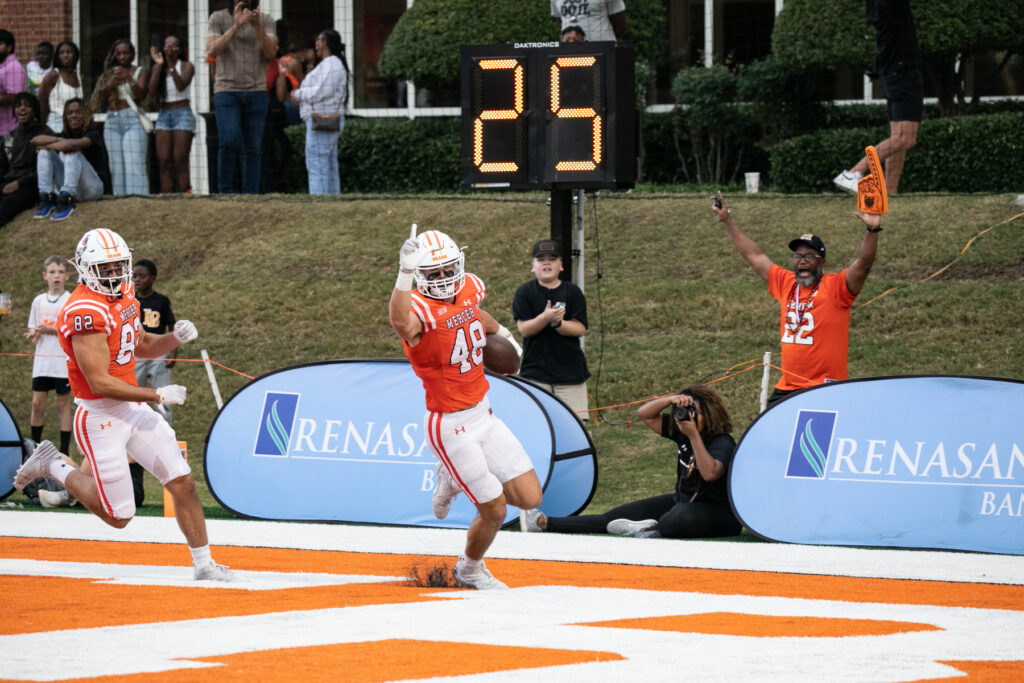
{"x":176,"y":360}
{"x":728,"y":375}
{"x":948,"y":265}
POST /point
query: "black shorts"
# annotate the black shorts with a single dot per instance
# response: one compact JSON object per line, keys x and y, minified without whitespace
{"x":58,"y":384}
{"x":904,"y":94}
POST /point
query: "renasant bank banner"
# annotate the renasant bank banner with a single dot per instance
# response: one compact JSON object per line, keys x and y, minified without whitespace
{"x":10,"y":451}
{"x":907,"y":462}
{"x":344,"y":441}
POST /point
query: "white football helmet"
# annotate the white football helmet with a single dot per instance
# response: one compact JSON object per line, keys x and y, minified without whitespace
{"x":443,"y":270}
{"x":104,"y":262}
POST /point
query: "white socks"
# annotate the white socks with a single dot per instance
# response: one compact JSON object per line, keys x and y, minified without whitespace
{"x":201,"y":556}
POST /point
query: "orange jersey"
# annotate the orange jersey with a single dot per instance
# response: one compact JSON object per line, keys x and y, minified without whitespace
{"x":87,"y":312}
{"x":815,"y":328}
{"x":449,"y":356}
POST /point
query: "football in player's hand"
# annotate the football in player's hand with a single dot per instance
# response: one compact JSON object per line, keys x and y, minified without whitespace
{"x":500,"y":356}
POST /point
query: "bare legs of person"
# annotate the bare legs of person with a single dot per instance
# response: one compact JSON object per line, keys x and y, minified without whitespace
{"x":893,"y":151}
{"x":188,"y":512}
{"x":187,"y":509}
{"x":524,"y":492}
{"x":172,"y":152}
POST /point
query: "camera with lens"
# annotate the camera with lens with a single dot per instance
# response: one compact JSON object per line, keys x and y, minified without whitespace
{"x":684,"y":413}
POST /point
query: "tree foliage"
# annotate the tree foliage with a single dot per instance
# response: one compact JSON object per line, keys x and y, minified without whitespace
{"x":424,"y":46}
{"x":835,"y":34}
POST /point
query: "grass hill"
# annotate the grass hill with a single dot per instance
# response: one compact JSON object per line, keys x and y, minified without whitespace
{"x":276,"y":281}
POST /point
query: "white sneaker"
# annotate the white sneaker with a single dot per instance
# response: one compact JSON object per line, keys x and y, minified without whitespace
{"x":629,"y":527}
{"x":444,"y":493}
{"x":56,"y":499}
{"x":848,"y":181}
{"x":37,"y":465}
{"x":528,"y":520}
{"x":478,"y":578}
{"x":214,"y":572}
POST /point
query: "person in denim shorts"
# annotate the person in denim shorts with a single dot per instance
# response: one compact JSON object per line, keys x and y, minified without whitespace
{"x":169,"y":85}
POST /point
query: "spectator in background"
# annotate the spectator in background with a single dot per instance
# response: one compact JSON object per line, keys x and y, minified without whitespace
{"x":13,"y":80}
{"x":157,"y":317}
{"x":277,"y":148}
{"x":19,"y":188}
{"x":599,"y":19}
{"x":551,"y":314}
{"x":175,"y":125}
{"x":697,"y":421}
{"x":60,"y":85}
{"x":49,"y":373}
{"x":293,"y":68}
{"x":72,"y":166}
{"x":49,"y":366}
{"x":814,"y":321}
{"x":573,"y":34}
{"x":243,"y":42}
{"x":898,"y":65}
{"x":119,"y":91}
{"x":39,"y":67}
{"x":321,"y":99}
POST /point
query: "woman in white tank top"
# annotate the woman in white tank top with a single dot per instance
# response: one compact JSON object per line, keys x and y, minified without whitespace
{"x":60,"y":85}
{"x":169,"y":85}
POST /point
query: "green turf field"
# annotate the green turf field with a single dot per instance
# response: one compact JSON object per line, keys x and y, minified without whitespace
{"x":275,"y":281}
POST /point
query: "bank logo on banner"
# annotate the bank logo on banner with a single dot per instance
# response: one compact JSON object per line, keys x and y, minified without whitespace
{"x":808,"y":454}
{"x":276,"y":421}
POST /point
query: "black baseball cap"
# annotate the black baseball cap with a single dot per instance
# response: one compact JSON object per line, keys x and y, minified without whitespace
{"x":813,"y":241}
{"x":546,"y":247}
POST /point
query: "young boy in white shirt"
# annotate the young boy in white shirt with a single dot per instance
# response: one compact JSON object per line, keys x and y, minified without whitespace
{"x":49,"y":369}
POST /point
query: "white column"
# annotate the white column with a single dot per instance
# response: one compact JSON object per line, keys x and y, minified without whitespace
{"x":709,"y":33}
{"x":199,"y":169}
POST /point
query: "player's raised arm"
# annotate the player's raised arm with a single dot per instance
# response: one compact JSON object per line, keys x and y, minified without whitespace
{"x":410,"y":256}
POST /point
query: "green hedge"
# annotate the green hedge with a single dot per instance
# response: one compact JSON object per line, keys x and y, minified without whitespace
{"x":390,"y":155}
{"x":965,"y":154}
{"x":865,"y":115}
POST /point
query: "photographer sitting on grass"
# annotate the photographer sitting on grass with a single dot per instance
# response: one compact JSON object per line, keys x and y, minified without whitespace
{"x":697,"y":421}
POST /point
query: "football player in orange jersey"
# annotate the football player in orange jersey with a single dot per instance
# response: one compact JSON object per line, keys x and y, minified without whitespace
{"x":443,"y":331}
{"x":100,"y":331}
{"x":815,"y":317}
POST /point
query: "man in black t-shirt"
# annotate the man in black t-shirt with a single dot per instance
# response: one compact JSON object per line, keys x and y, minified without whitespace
{"x":72,"y":166}
{"x":551,"y":314}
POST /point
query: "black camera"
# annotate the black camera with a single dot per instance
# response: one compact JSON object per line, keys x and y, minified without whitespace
{"x":684,"y":413}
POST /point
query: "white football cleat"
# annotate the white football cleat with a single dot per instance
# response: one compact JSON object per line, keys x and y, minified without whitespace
{"x":478,"y":578}
{"x":444,"y":493}
{"x":214,"y":572}
{"x":37,"y":465}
